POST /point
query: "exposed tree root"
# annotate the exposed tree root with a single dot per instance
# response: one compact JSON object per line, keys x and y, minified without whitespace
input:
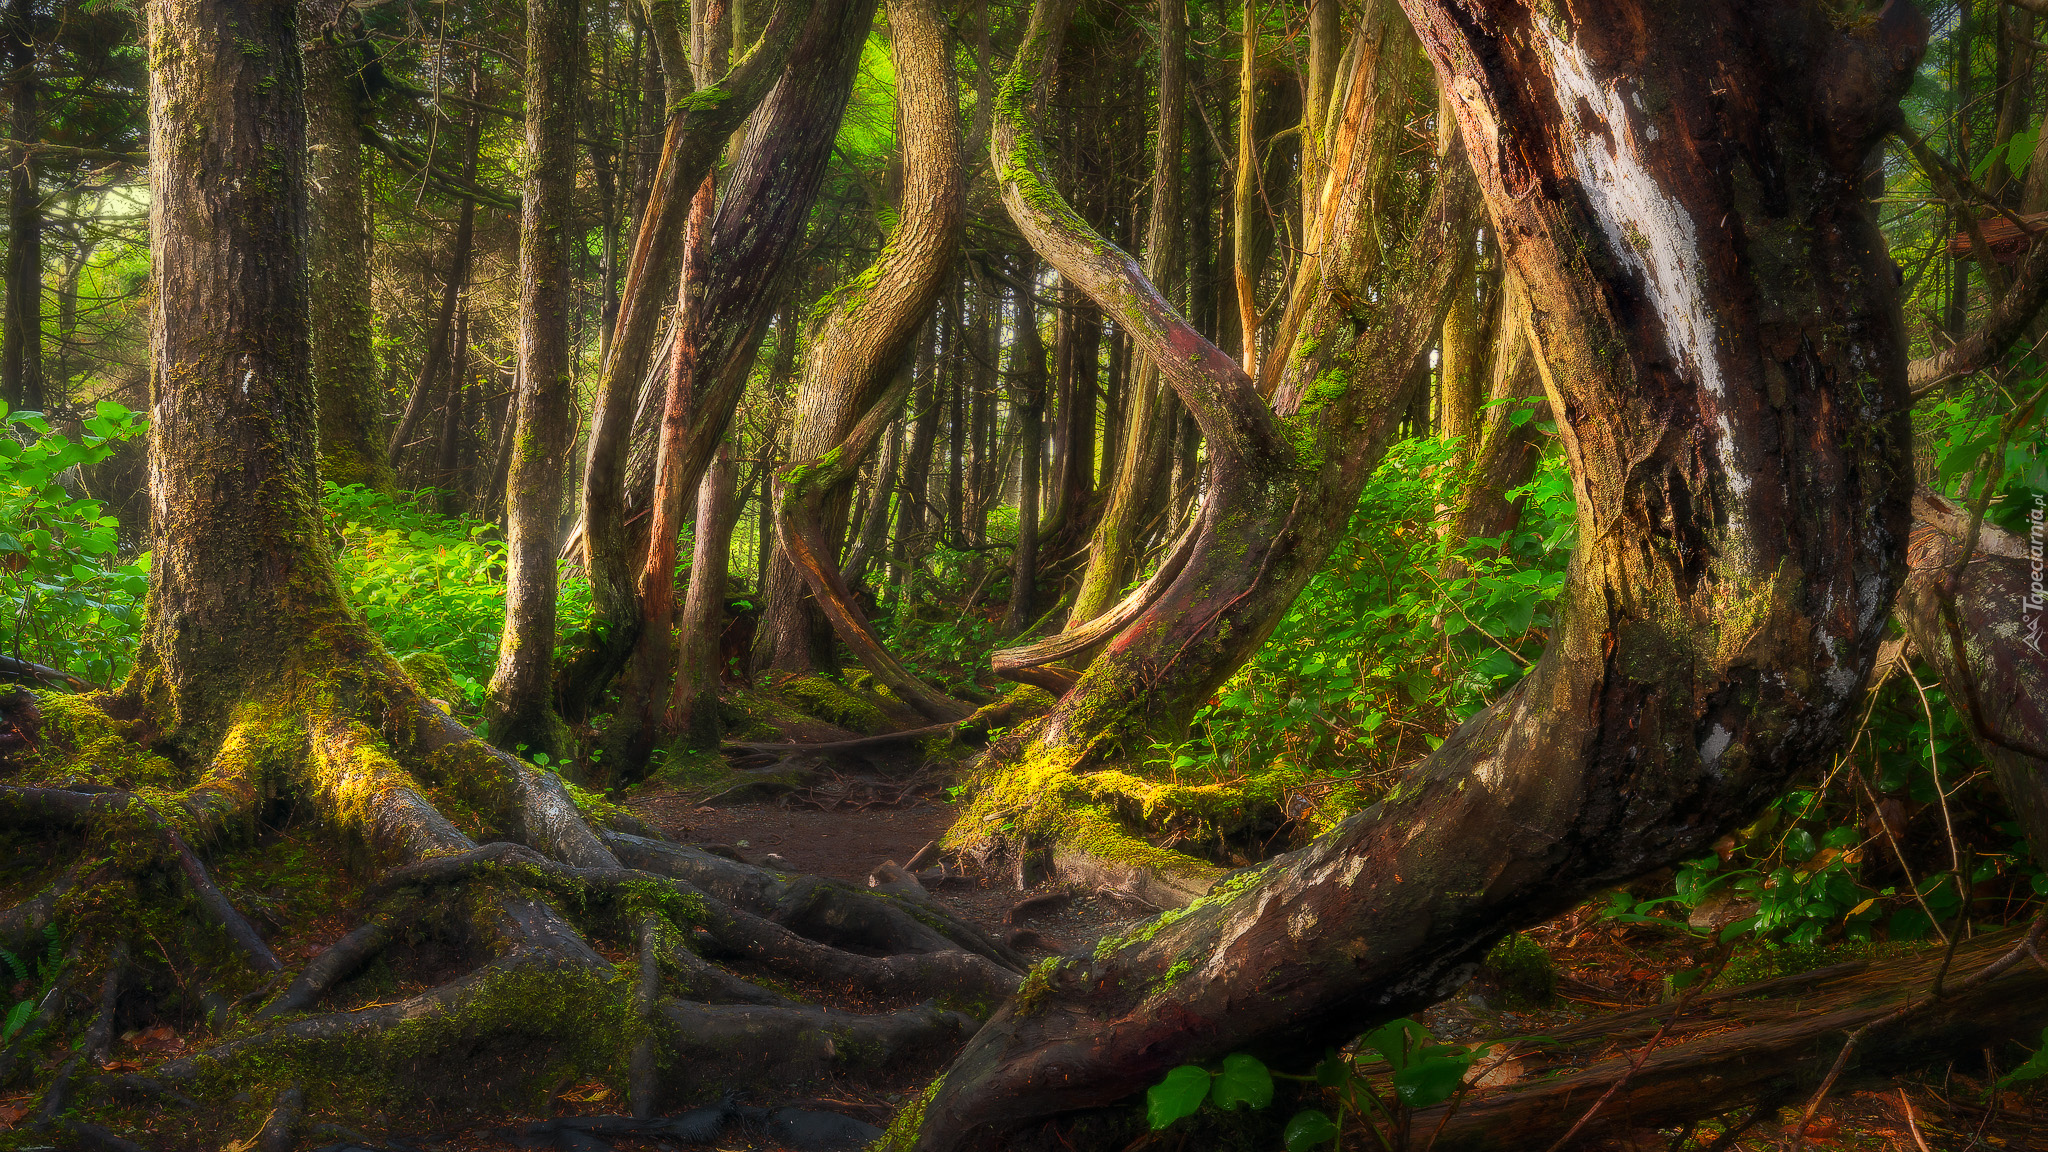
{"x":518,"y":879}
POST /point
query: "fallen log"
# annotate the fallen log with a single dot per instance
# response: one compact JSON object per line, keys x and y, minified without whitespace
{"x":1774,"y":1040}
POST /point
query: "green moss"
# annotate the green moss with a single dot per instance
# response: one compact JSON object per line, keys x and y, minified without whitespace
{"x":827,"y":700}
{"x":902,"y":1133}
{"x":80,"y":744}
{"x":1037,"y":986}
{"x":431,"y":674}
{"x":1523,"y":971}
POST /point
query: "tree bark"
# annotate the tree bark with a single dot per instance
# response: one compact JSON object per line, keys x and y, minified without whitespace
{"x":1027,"y":406}
{"x":1981,"y":626}
{"x":519,"y":704}
{"x":852,"y":385}
{"x":1147,"y":416}
{"x":21,"y":350}
{"x":1506,"y":453}
{"x":1743,"y":484}
{"x":337,"y":252}
{"x":693,"y":704}
{"x":721,"y":314}
{"x":697,"y":131}
{"x":235,"y":563}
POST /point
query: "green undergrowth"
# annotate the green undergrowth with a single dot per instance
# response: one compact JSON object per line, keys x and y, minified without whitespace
{"x":434,"y":585}
{"x":834,"y":702}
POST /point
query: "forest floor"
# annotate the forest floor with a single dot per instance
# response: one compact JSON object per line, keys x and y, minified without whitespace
{"x":848,"y":817}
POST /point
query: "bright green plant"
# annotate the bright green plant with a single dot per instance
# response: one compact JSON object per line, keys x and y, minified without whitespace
{"x":1398,"y":1069}
{"x":35,"y":977}
{"x":433,"y":583}
{"x":65,"y":598}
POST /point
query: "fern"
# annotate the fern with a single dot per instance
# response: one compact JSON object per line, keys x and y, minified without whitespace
{"x":14,"y":964}
{"x":17,"y":1019}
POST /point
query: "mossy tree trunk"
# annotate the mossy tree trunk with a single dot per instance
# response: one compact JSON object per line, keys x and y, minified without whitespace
{"x":519,"y":704}
{"x":337,"y":250}
{"x":1733,"y":405}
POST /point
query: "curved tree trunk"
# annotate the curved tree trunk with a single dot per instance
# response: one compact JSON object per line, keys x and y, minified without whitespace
{"x":1733,"y":403}
{"x":721,"y":313}
{"x":852,"y":385}
{"x":1983,"y":627}
{"x":1283,"y":478}
{"x":337,"y":250}
{"x":697,"y":130}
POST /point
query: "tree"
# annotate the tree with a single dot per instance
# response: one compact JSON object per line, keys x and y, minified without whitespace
{"x":256,"y":675}
{"x":1727,"y":602}
{"x":21,"y":360}
{"x":344,"y":365}
{"x":521,"y":705}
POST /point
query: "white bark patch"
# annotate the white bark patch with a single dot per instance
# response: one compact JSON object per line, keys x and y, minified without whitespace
{"x":1717,"y":743}
{"x":1650,"y":231}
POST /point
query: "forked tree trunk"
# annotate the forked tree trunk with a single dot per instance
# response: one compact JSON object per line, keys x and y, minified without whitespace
{"x":852,"y":386}
{"x":693,"y":704}
{"x":519,"y":704}
{"x":337,"y":251}
{"x":721,"y":315}
{"x":1733,"y":404}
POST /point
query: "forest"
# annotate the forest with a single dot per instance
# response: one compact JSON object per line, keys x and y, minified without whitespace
{"x":1050,"y":575}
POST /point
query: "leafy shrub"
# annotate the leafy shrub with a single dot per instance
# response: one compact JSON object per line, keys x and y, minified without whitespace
{"x":429,"y":583}
{"x":65,"y":599}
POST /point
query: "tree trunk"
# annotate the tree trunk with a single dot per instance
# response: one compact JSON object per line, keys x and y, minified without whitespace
{"x":1981,"y":626}
{"x":1027,"y":405}
{"x":852,"y":385}
{"x":21,"y":357}
{"x":337,"y":252}
{"x":911,"y":504}
{"x":693,"y":705}
{"x":721,"y":314}
{"x":1733,"y":404}
{"x":460,"y":251}
{"x":1506,"y":454}
{"x":1147,"y":417}
{"x":697,"y":131}
{"x":873,"y":540}
{"x":447,"y":475}
{"x":519,"y":704}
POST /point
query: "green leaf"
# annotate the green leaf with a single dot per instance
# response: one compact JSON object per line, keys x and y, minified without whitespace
{"x":1431,"y":1080}
{"x":2035,"y":1068}
{"x":1178,"y":1095}
{"x":1308,"y":1129}
{"x":1333,"y":1071}
{"x":1244,"y":1080}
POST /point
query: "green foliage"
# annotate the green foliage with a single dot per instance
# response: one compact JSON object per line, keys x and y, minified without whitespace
{"x":2035,"y":1067}
{"x":1397,"y":1069}
{"x":434,"y":584}
{"x":1399,"y":638}
{"x":65,"y":599}
{"x":32,"y":979}
{"x":1523,"y":971}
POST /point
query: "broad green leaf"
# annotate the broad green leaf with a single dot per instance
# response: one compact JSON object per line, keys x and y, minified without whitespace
{"x":1308,"y":1129}
{"x":1178,"y":1095}
{"x":1244,"y":1080}
{"x":1431,"y":1080}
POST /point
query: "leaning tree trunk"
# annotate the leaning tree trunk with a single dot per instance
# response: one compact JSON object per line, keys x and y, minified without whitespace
{"x":337,"y":250}
{"x":722,"y":313}
{"x":1733,"y":404}
{"x":697,"y":131}
{"x":519,"y":704}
